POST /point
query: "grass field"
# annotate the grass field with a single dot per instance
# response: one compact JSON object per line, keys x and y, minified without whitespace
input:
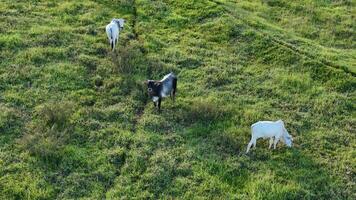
{"x":76,"y":123}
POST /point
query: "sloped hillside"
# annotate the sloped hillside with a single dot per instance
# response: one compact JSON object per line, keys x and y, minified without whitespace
{"x":75,"y":120}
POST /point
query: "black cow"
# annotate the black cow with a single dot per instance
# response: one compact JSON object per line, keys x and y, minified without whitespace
{"x":160,"y":89}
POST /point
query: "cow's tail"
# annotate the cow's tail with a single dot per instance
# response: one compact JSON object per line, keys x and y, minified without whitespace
{"x":174,"y":85}
{"x":111,"y":40}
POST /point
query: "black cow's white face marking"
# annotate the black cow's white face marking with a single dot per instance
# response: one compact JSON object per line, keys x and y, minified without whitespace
{"x":155,"y":99}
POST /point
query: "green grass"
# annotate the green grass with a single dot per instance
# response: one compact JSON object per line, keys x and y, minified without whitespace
{"x":75,"y":122}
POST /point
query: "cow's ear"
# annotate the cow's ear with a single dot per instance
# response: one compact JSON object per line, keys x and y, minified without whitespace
{"x":145,"y":82}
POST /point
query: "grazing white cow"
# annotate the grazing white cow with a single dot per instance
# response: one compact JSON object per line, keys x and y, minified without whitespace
{"x":269,"y":129}
{"x":113,"y":30}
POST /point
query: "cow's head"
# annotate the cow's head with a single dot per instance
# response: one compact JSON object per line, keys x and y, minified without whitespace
{"x":153,"y":87}
{"x":120,"y":23}
{"x":287,"y":139}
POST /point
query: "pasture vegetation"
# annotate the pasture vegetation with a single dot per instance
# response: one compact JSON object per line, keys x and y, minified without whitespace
{"x":75,"y":121}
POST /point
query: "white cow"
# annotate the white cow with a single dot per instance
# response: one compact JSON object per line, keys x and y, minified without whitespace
{"x":269,"y":129}
{"x":113,"y":30}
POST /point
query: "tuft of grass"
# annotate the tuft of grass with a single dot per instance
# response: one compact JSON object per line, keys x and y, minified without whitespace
{"x":129,"y":58}
{"x":206,"y":111}
{"x":46,"y":137}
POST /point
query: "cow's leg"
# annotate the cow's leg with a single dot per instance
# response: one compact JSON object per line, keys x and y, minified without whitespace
{"x":276,"y":139}
{"x":252,"y":142}
{"x":155,"y":104}
{"x":174,"y":89}
{"x":249,"y":146}
{"x":113,"y":41}
{"x":270,"y":142}
{"x":172,"y":96}
{"x":159,"y":104}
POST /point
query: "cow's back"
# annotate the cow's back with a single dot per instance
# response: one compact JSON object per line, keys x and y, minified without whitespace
{"x":267,"y":128}
{"x":112,"y":30}
{"x":167,"y":84}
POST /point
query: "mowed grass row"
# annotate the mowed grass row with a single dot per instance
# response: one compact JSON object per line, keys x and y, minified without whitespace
{"x":76,"y":123}
{"x":319,"y":30}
